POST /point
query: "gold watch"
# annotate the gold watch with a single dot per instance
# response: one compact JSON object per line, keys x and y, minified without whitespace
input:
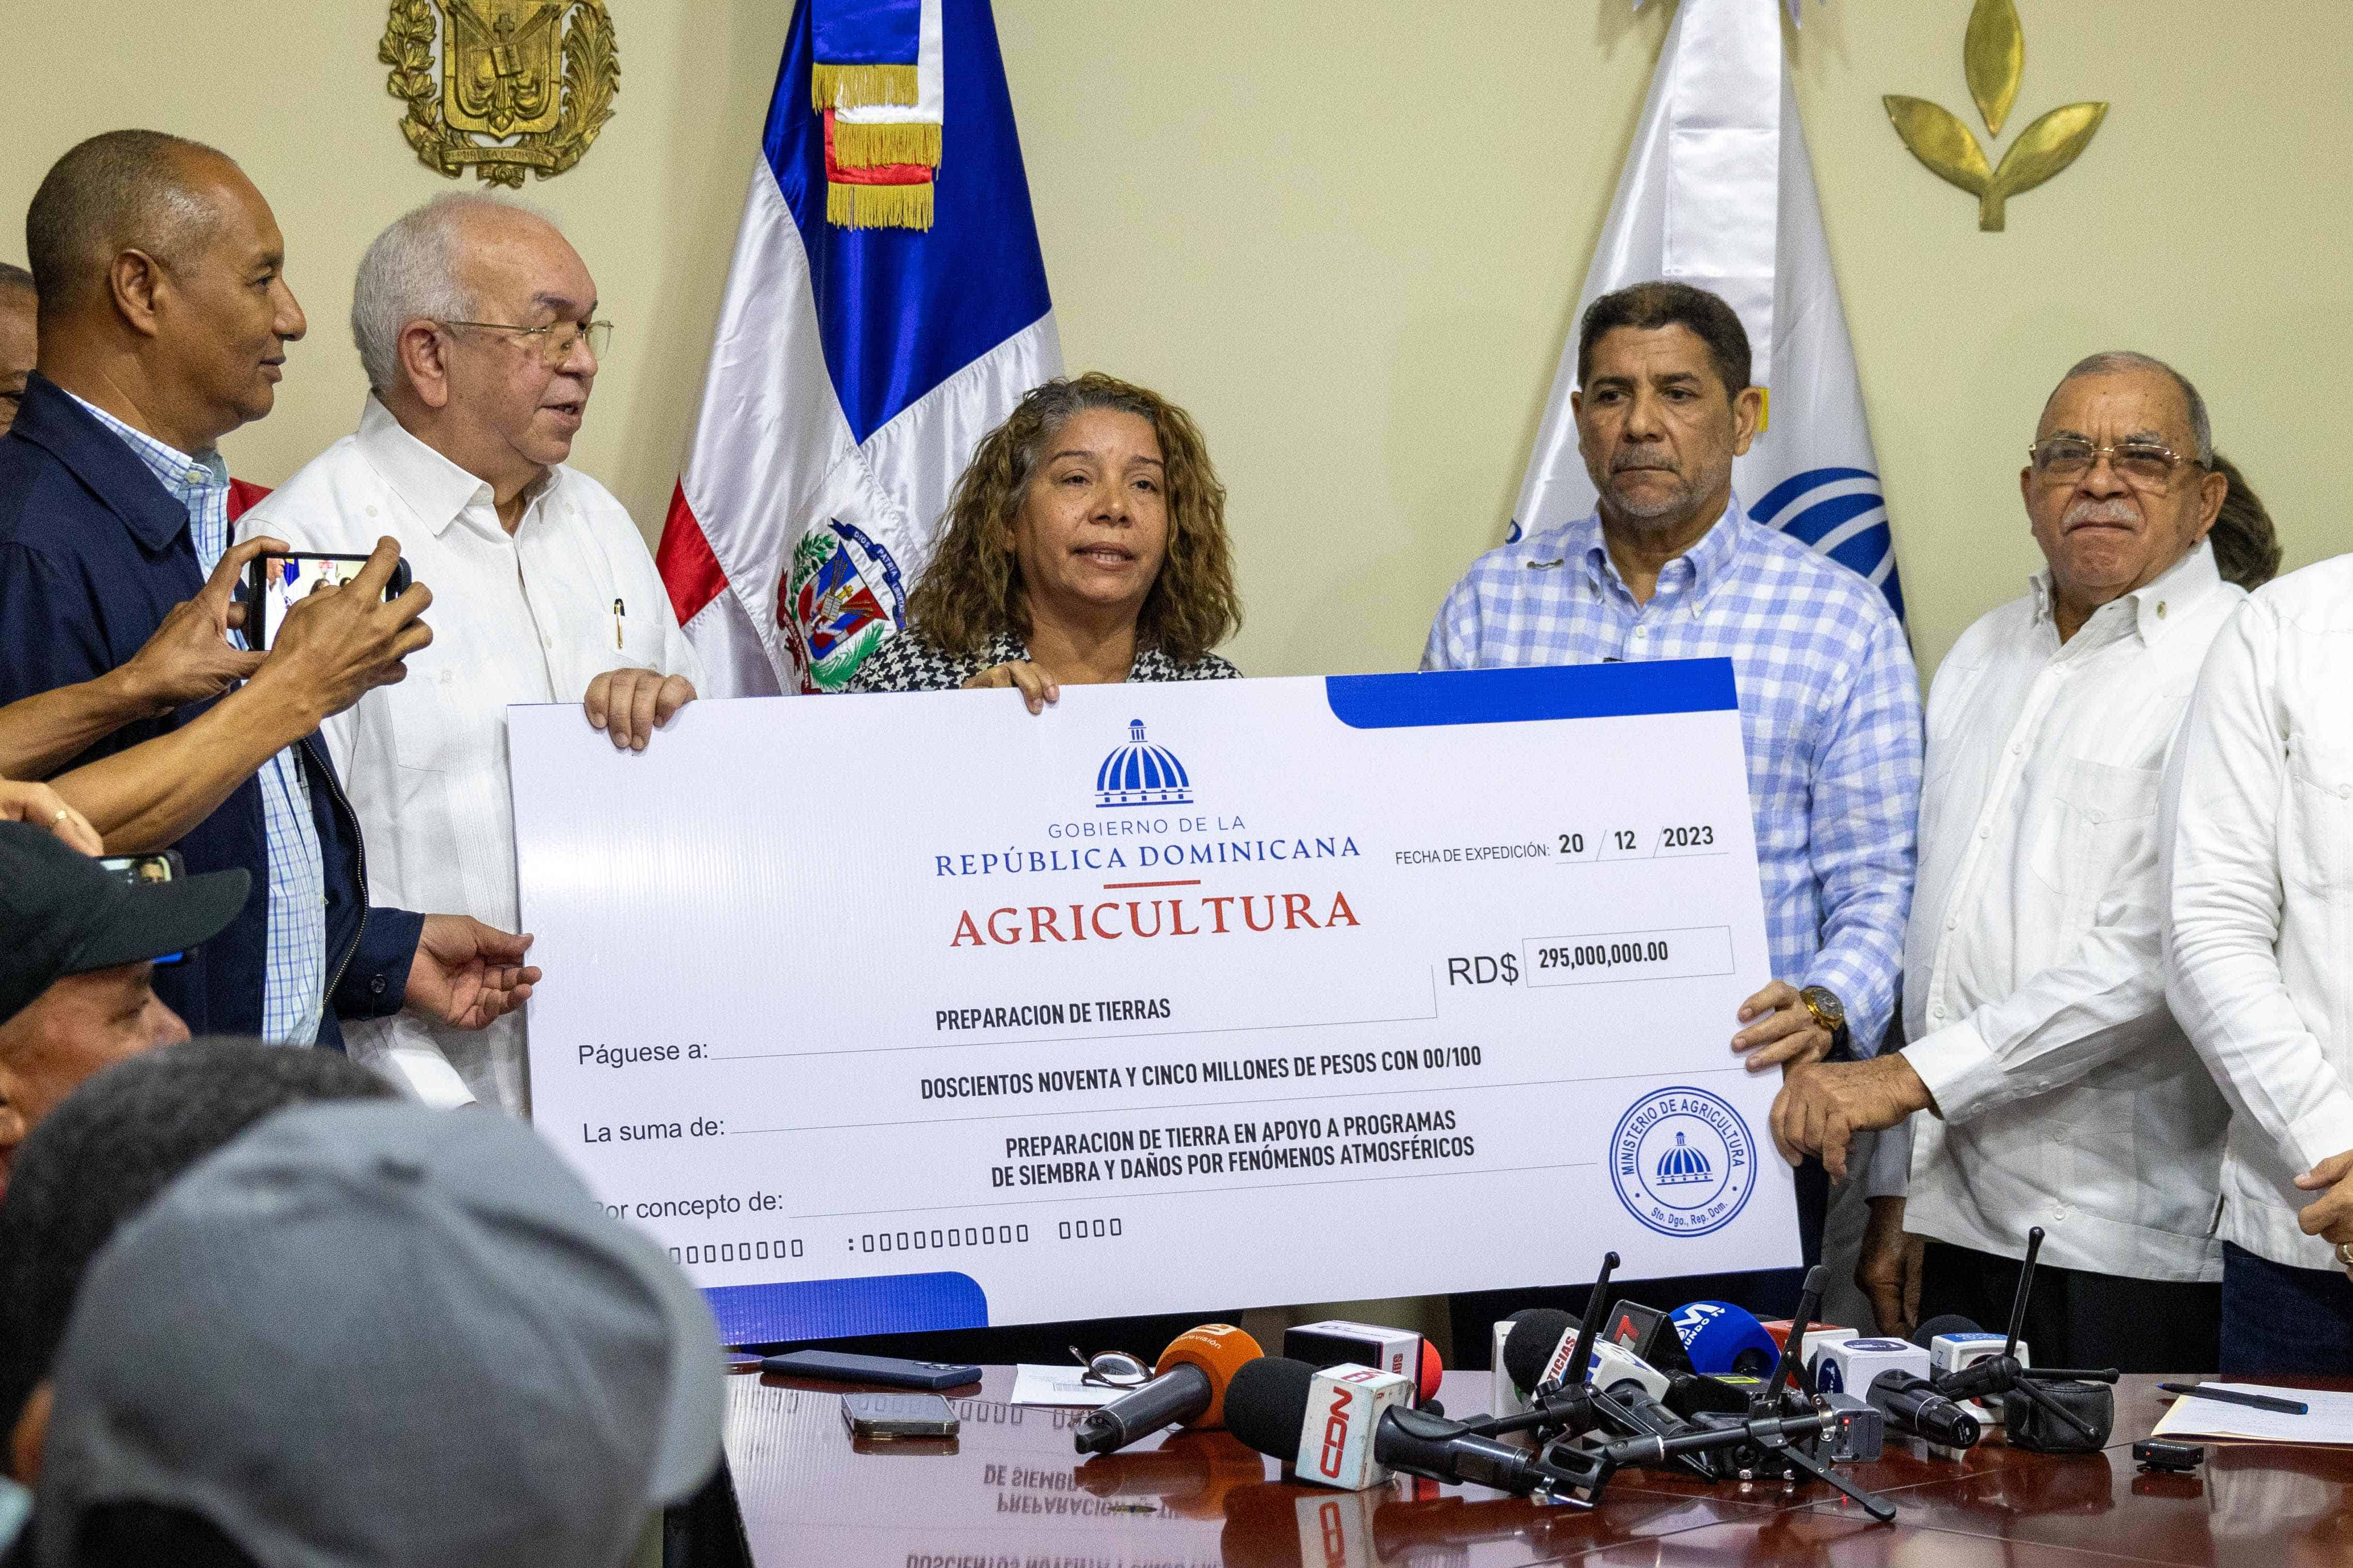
{"x":1829,"y":1013}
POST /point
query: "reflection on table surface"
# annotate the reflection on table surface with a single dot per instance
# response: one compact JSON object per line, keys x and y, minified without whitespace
{"x":1009,"y":1492}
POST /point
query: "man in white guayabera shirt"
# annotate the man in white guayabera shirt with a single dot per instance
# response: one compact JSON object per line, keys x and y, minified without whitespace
{"x":476,"y":322}
{"x":2060,"y":1090}
{"x":2257,"y":832}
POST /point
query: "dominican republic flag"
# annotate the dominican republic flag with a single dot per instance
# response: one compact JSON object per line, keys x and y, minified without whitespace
{"x":886,"y":308}
{"x":1718,"y":192}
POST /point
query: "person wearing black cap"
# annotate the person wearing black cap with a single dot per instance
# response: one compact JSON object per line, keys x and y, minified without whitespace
{"x":77,"y":953}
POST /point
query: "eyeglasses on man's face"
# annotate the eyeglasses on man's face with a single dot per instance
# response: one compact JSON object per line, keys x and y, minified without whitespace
{"x":2144,"y":464}
{"x":556,"y":340}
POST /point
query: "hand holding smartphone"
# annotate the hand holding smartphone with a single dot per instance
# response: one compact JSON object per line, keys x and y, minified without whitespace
{"x":276,"y":583}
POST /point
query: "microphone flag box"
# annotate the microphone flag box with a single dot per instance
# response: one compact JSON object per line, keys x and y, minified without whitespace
{"x":1335,"y":1341}
{"x":1650,"y":1333}
{"x":1950,"y":1352}
{"x":1344,"y":1407}
{"x":1818,"y":1336}
{"x":1614,"y":1364}
{"x":1850,"y":1365}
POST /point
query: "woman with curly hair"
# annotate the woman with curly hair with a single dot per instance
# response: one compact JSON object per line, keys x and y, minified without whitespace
{"x":1085,"y":544}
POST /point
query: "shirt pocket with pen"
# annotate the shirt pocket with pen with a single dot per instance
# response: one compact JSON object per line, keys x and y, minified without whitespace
{"x":2101,"y":819}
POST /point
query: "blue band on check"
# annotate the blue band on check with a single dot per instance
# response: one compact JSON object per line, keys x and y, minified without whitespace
{"x":833,"y":1309}
{"x":1546,"y":691}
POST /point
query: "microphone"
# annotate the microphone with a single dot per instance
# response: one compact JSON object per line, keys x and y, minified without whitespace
{"x":1912,"y":1403}
{"x":1537,"y":1350}
{"x":1722,"y":1338}
{"x":1188,"y":1387}
{"x":1927,"y":1335}
{"x":2074,"y":1415}
{"x":1350,"y":1428}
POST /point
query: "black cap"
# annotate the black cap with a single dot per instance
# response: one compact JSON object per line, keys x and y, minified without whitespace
{"x":63,"y":914}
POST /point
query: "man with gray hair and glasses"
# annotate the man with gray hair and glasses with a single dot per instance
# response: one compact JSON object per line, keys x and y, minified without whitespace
{"x":477,"y":323}
{"x":2060,"y":1091}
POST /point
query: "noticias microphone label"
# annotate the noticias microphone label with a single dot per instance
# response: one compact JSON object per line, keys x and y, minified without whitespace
{"x":1682,"y":1161}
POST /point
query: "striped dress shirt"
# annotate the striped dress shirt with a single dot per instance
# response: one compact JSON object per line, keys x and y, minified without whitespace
{"x":295,"y":977}
{"x":1830,"y":712}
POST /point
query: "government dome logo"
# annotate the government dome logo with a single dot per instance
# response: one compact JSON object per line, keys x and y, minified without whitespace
{"x":1681,"y":1165}
{"x":1140,"y":774}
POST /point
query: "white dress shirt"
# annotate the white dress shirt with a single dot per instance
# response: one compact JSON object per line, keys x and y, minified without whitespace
{"x":2032,"y":998}
{"x":531,"y":618}
{"x":2257,"y":837}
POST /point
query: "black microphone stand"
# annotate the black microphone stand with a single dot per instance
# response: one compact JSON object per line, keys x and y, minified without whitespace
{"x":2003,"y":1374}
{"x":1569,"y":1404}
{"x":1563,"y":1409}
{"x":1776,"y":1435}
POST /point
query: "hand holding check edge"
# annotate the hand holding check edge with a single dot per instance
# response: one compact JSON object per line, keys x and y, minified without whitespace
{"x":1784,"y":1030}
{"x":1036,"y":686}
{"x":629,"y":705}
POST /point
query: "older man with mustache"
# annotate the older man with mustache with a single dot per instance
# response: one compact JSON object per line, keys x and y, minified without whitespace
{"x":2060,"y":1090}
{"x":1670,"y":566}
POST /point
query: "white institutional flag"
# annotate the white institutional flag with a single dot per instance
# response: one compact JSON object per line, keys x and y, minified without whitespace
{"x":1718,"y":192}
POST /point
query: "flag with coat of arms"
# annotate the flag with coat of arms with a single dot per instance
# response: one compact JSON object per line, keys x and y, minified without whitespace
{"x":1718,"y":192}
{"x":886,"y":308}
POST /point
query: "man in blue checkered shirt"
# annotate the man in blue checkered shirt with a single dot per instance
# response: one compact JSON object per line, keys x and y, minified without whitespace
{"x":1670,"y":567}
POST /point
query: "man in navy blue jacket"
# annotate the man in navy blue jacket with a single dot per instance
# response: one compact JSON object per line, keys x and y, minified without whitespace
{"x":165,"y":315}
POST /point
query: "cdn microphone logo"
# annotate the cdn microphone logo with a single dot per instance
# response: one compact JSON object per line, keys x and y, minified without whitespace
{"x":1335,"y":1423}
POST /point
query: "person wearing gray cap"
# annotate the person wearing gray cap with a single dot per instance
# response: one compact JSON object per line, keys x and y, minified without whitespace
{"x":394,"y":1337}
{"x":77,"y":953}
{"x":100,"y":1158}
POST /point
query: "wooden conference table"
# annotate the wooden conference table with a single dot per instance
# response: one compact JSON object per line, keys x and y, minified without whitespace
{"x":1010,"y":1493}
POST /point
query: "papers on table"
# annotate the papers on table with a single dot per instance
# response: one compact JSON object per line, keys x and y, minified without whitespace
{"x":1058,"y":1386}
{"x":2330,"y":1420}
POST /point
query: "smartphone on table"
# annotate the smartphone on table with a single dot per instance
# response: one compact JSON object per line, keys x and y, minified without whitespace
{"x":892,"y":1372}
{"x":893,"y":1417}
{"x":274,"y":585}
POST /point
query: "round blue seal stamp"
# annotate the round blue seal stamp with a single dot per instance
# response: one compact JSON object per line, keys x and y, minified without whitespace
{"x":1682,"y":1161}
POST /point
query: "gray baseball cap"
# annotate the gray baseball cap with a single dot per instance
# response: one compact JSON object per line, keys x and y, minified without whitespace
{"x":369,"y":1333}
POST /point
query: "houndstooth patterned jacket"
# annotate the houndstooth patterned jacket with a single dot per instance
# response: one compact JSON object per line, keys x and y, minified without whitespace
{"x":913,"y":662}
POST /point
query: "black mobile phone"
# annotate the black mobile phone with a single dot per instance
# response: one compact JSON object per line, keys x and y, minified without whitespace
{"x":838,"y":1366}
{"x":165,"y":865}
{"x":276,"y":583}
{"x":895,"y":1416}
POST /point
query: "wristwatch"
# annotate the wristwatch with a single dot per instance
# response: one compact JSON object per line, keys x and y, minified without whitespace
{"x":1830,"y":1013}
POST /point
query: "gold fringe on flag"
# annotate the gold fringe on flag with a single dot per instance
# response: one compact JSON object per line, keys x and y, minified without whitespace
{"x":879,"y":207}
{"x":861,"y":87}
{"x":872,"y":143}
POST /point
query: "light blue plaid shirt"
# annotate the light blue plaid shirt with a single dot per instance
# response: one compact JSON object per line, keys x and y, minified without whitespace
{"x":1829,"y":708}
{"x":296,"y":972}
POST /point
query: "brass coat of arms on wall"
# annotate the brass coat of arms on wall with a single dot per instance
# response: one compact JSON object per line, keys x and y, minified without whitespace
{"x":520,"y":84}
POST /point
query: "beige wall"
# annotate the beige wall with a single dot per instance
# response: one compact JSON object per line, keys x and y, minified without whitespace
{"x":1349,"y":237}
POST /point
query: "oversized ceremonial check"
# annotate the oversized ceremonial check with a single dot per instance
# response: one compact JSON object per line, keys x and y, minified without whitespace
{"x":908,"y":1012}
